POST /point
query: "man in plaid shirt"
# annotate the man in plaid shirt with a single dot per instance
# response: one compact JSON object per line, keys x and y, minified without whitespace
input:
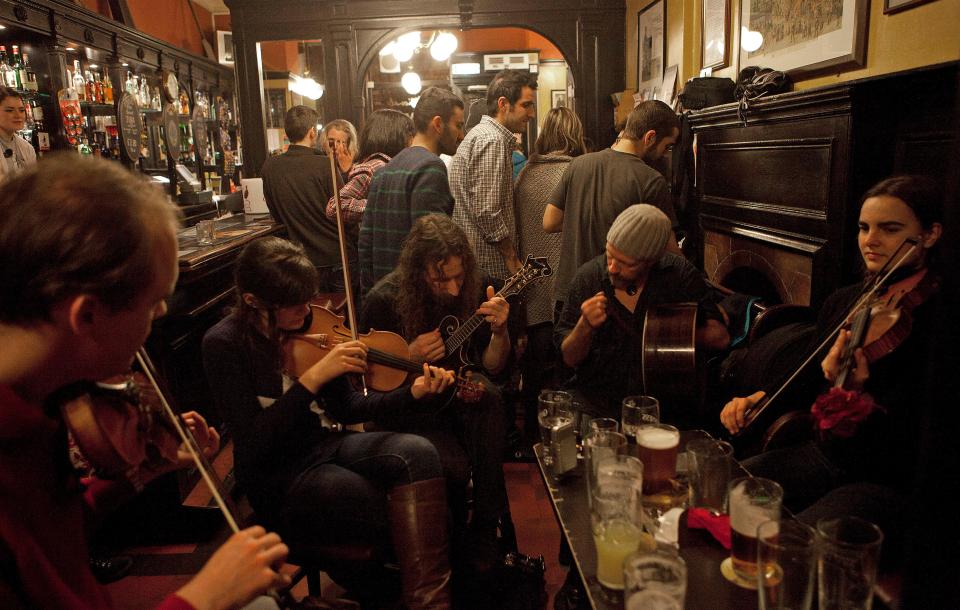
{"x":481,"y":175}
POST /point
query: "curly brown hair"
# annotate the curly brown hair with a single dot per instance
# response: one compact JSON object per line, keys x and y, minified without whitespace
{"x":433,"y":239}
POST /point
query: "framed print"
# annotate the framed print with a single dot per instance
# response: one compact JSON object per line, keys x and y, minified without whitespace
{"x":790,"y":37}
{"x":558,"y":98}
{"x":651,"y":45}
{"x":895,"y":6}
{"x":225,"y":47}
{"x":714,"y":52}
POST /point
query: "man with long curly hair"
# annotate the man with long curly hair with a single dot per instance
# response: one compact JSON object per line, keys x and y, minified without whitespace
{"x":437,"y":276}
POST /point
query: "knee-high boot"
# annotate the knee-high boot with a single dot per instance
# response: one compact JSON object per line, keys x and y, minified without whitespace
{"x":418,"y":526}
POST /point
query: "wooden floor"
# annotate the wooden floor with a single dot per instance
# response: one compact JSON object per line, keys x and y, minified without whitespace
{"x":159,"y":570}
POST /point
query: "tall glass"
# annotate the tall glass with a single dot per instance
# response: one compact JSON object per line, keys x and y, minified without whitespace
{"x":604,"y":424}
{"x":615,"y":517}
{"x":598,"y":446}
{"x":636,"y":411}
{"x":709,"y":464}
{"x":752,"y":501}
{"x":786,"y":557}
{"x":847,"y":567}
{"x":557,"y":431}
{"x":657,"y":445}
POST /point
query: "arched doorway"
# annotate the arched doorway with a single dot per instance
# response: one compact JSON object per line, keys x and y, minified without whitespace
{"x":354,"y":32}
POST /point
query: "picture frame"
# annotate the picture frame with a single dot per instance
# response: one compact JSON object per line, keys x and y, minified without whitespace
{"x":225,"y":47}
{"x":801,"y":43}
{"x":558,"y":98}
{"x":651,"y":45}
{"x":715,"y":26}
{"x":895,"y":6}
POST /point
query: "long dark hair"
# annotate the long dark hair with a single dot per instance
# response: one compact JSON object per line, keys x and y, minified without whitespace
{"x":432,"y":240}
{"x":279,"y":274}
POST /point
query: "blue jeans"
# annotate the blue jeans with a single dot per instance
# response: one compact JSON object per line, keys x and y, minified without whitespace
{"x":343,"y":499}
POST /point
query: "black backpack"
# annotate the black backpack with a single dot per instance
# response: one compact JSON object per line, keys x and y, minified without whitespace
{"x":703,"y":92}
{"x":755,"y":82}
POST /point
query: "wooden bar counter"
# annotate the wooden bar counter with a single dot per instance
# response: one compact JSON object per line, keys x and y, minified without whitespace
{"x":204,"y":290}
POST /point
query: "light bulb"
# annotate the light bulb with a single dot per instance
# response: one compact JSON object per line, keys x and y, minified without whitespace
{"x":444,"y":46}
{"x":750,"y":40}
{"x":411,"y":83}
{"x":389,"y":48}
{"x":402,"y":54}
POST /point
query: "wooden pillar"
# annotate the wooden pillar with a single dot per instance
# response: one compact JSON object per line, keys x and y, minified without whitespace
{"x":249,"y":71}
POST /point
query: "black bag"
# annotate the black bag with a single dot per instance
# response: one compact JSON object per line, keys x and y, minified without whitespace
{"x":702,"y":92}
{"x":755,"y":82}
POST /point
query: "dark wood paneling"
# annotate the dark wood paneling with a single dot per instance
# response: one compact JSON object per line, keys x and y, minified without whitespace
{"x":589,"y":34}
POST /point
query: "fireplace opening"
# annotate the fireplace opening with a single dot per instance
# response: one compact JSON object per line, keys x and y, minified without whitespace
{"x":747,"y":280}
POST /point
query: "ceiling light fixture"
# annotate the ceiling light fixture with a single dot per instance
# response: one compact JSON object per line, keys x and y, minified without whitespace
{"x":307,"y":87}
{"x":750,"y":40}
{"x":411,"y":83}
{"x":443,"y":46}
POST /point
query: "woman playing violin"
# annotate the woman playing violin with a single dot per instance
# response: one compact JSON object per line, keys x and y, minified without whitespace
{"x":89,"y":256}
{"x":864,"y":458}
{"x":319,"y":485}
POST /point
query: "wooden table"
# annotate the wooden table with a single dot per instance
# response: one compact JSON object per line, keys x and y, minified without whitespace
{"x":707,"y":589}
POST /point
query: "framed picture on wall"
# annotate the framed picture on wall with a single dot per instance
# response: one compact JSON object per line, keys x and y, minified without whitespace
{"x":225,"y":47}
{"x":894,"y":6}
{"x":651,"y":45}
{"x":558,"y":98}
{"x":714,"y":51}
{"x":787,"y":36}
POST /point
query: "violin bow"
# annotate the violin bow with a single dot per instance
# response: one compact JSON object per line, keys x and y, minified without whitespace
{"x":342,"y":235}
{"x":203,"y":465}
{"x":868,"y":292}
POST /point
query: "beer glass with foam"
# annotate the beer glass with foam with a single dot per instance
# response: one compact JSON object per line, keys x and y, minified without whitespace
{"x":657,"y":447}
{"x":751,"y":502}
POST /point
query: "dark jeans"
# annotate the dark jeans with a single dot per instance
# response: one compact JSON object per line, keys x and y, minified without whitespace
{"x":470,"y":439}
{"x":815,"y":488}
{"x":343,"y":499}
{"x":540,"y":367}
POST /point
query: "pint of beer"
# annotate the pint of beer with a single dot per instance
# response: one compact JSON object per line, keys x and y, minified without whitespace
{"x":752,"y":501}
{"x":657,"y":446}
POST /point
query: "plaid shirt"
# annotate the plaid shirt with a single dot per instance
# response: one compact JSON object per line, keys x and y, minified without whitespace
{"x":481,"y":179}
{"x":353,"y":194}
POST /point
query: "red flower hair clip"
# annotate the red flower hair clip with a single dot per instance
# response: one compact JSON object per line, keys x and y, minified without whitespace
{"x":840,"y":411}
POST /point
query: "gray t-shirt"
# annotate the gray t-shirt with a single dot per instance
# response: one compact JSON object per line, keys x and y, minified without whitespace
{"x":594,"y":190}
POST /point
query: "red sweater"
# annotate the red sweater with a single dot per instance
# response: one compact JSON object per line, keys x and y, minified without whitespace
{"x":43,"y":511}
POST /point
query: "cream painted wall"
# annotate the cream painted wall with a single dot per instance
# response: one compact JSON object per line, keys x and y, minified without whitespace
{"x":553,"y":75}
{"x":925,"y":35}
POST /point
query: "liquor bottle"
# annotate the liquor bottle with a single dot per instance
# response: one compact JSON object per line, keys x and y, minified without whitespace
{"x":144,"y":94}
{"x":28,"y":76}
{"x":107,"y":89}
{"x":8,"y":75}
{"x":17,"y":64}
{"x":130,"y":86}
{"x":155,"y":99}
{"x":79,"y":83}
{"x":91,"y":87}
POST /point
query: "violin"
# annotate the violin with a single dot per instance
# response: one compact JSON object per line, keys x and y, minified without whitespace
{"x":892,"y":304}
{"x":387,"y":364}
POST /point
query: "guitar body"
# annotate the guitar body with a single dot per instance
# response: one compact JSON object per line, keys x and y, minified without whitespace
{"x":671,"y":367}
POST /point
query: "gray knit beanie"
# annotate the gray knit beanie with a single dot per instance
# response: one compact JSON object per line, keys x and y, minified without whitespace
{"x":641,"y":232}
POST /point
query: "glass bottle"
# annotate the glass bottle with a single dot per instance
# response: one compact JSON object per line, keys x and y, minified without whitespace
{"x":29,"y":77}
{"x":107,"y":88}
{"x":17,"y":64}
{"x":144,"y":98}
{"x":155,"y":99}
{"x":7,"y":74}
{"x":79,"y":83}
{"x":130,"y":86}
{"x":91,"y":86}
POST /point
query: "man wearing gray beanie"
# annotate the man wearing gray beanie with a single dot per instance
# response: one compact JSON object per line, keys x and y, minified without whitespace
{"x":600,"y":329}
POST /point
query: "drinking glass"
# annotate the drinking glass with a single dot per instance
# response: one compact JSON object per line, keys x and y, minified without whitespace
{"x":654,"y":580}
{"x":709,"y":463}
{"x":205,"y":229}
{"x":604,"y":424}
{"x":598,"y":446}
{"x":615,"y":517}
{"x":786,"y":557}
{"x":847,"y":566}
{"x":638,"y":410}
{"x":657,"y":446}
{"x":557,"y":431}
{"x":752,"y":501}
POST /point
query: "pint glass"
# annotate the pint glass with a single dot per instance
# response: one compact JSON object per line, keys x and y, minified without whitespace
{"x":657,"y":446}
{"x":752,"y":501}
